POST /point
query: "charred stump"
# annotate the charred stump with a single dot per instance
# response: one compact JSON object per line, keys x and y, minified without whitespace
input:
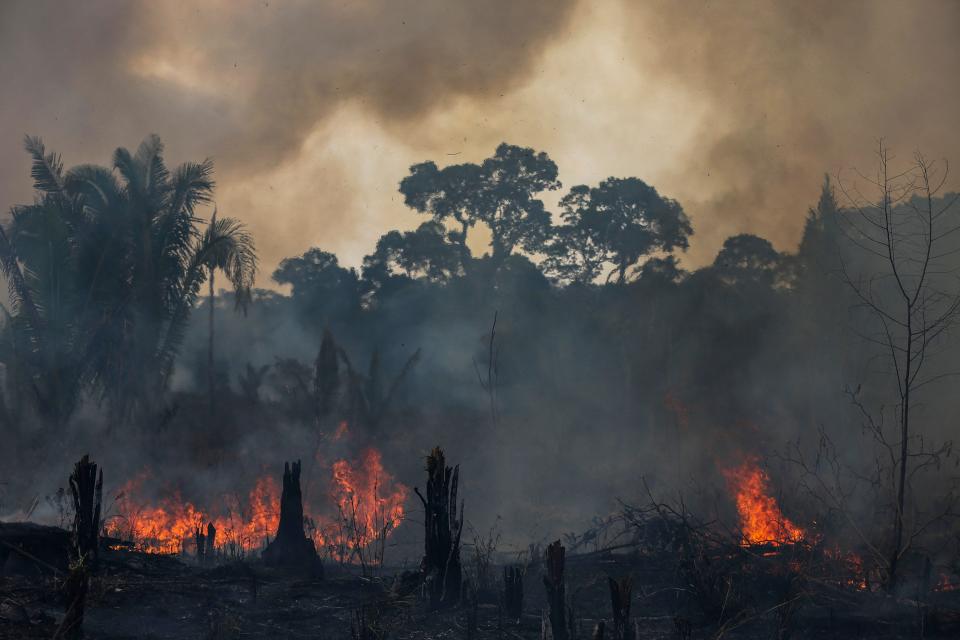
{"x":441,"y":561}
{"x":291,"y":548}
{"x":211,"y":541}
{"x":86,"y":487}
{"x":556,"y":590}
{"x":620,"y":592}
{"x":513,"y":592}
{"x":201,"y":542}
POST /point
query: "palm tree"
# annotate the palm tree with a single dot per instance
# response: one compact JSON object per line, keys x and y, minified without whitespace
{"x":104,"y":270}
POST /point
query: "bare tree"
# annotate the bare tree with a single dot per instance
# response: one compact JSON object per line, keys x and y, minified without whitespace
{"x":911,"y":296}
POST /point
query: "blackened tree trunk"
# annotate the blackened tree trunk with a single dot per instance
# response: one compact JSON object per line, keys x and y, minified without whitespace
{"x":441,"y":561}
{"x":86,"y":487}
{"x":620,"y":593}
{"x":513,"y":592}
{"x":556,"y":590}
{"x":201,"y":543}
{"x":291,"y":548}
{"x":211,"y":541}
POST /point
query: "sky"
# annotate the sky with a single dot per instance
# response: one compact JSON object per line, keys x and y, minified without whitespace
{"x":314,"y":110}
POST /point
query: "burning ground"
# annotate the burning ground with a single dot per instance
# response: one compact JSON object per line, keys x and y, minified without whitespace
{"x":654,"y":571}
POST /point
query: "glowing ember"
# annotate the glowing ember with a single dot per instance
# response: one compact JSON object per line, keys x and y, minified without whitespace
{"x":761,"y":521}
{"x":343,"y":430}
{"x":946,"y":583}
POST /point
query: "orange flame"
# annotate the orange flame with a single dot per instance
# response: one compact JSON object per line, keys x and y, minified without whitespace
{"x":761,"y":521}
{"x":369,"y":504}
{"x":368,"y":508}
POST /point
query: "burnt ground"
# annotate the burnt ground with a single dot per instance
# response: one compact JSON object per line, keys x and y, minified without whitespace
{"x":137,"y":595}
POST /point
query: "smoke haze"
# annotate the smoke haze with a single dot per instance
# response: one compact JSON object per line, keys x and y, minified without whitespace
{"x":313,"y":111}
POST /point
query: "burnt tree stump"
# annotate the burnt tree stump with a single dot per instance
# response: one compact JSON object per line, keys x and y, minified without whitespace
{"x":86,"y":488}
{"x":513,"y":592}
{"x":620,"y":592}
{"x":201,"y":542}
{"x":291,"y":548}
{"x":211,"y":541}
{"x":441,"y":566}
{"x":556,"y":590}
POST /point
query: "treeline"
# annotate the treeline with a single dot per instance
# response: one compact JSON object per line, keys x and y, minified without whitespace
{"x":578,"y":341}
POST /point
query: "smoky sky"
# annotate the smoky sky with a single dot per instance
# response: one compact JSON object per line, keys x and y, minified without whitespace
{"x":314,"y":110}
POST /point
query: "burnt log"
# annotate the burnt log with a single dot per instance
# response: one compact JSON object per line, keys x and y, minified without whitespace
{"x":291,"y":548}
{"x":441,"y":567}
{"x":620,"y":593}
{"x":28,"y":549}
{"x":556,"y":590}
{"x":513,"y":592}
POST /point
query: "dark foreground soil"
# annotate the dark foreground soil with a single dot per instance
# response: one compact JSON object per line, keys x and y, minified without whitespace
{"x":138,"y":595}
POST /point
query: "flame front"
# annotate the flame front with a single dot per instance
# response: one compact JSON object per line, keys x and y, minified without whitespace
{"x":368,"y":508}
{"x":761,"y":521}
{"x":369,"y":505}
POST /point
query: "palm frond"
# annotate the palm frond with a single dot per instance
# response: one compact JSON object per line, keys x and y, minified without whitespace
{"x":47,"y":168}
{"x":192,"y":186}
{"x":225,"y":245}
{"x":95,"y":188}
{"x":20,"y":294}
{"x":149,"y":158}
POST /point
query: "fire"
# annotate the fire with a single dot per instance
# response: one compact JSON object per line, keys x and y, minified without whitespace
{"x":160,"y":528}
{"x":368,"y":509}
{"x":761,"y":520}
{"x":363,"y":505}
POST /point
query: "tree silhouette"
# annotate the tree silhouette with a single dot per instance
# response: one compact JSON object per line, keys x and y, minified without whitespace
{"x":322,"y":289}
{"x":616,"y":223}
{"x":747,"y":258}
{"x":105,"y":268}
{"x":501,"y":192}
{"x":428,"y":253}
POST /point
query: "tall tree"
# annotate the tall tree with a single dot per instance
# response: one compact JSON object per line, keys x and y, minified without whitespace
{"x":911,"y":297}
{"x":105,"y":268}
{"x":501,"y":192}
{"x":615,"y":224}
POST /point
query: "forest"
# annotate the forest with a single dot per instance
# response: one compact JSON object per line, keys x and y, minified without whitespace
{"x":759,"y":446}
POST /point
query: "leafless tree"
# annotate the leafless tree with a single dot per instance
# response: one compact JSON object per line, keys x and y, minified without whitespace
{"x":911,"y":295}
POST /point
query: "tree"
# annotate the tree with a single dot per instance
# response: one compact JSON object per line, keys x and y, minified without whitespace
{"x":323,"y":290}
{"x":104,"y":270}
{"x":616,"y":223}
{"x":426,"y":253}
{"x":748,"y":258}
{"x":501,"y":192}
{"x":911,"y":298}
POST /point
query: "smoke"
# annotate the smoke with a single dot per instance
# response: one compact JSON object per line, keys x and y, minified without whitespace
{"x":793,"y":90}
{"x":248,"y":82}
{"x":313,"y":111}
